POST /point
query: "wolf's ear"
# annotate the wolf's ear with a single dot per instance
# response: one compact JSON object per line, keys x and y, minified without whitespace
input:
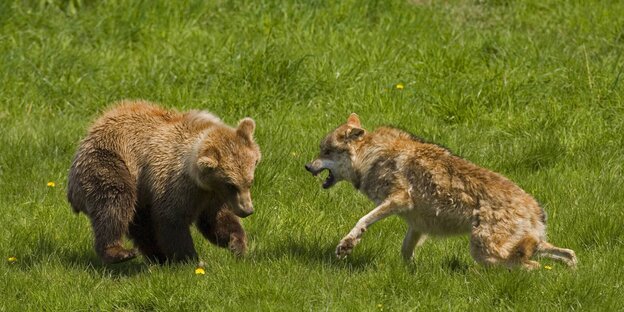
{"x":246,"y":128}
{"x":355,"y":134}
{"x":354,"y":120}
{"x":207,"y":162}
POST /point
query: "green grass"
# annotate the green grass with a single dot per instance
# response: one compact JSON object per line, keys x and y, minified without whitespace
{"x":530,"y":88}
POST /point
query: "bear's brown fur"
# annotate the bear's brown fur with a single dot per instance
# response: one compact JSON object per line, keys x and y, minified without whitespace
{"x":149,"y":173}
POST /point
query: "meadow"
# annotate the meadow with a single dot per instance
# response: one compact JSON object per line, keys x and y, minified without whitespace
{"x":532,"y":89}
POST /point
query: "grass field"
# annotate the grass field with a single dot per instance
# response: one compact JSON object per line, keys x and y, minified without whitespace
{"x":530,"y":88}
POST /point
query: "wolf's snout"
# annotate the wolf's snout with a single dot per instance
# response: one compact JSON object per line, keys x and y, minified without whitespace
{"x":314,"y":167}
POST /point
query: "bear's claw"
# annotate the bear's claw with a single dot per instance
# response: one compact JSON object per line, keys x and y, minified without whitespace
{"x":117,"y":254}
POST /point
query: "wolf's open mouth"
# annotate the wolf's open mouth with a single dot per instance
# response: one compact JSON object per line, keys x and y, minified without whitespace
{"x":330,"y":180}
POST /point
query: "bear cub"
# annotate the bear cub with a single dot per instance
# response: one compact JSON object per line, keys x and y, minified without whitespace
{"x":149,"y":173}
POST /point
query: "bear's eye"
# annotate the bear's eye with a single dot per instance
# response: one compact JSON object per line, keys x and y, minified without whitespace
{"x":231,"y":187}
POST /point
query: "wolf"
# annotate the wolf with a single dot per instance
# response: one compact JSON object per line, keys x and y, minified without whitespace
{"x":436,"y":193}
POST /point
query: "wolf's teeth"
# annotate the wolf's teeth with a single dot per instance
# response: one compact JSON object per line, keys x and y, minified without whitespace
{"x":330,"y":180}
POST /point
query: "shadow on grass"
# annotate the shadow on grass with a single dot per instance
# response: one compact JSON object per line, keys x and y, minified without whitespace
{"x":42,"y":250}
{"x":88,"y":261}
{"x":316,"y":252}
{"x":455,"y":265}
{"x":450,"y":265}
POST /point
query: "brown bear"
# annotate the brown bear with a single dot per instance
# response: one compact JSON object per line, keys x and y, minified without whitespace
{"x":149,"y":173}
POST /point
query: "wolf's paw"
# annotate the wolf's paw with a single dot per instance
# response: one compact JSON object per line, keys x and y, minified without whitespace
{"x":345,"y":247}
{"x":531,"y":265}
{"x":572,"y":260}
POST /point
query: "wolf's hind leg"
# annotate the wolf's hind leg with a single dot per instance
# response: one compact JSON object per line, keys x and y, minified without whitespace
{"x":412,"y":240}
{"x":530,"y":265}
{"x":545,"y":249}
{"x":489,"y":252}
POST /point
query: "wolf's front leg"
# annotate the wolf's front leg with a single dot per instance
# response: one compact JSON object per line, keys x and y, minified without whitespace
{"x":387,"y":208}
{"x":412,"y":240}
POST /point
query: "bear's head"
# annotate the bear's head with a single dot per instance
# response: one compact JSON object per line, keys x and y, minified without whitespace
{"x":225,"y":161}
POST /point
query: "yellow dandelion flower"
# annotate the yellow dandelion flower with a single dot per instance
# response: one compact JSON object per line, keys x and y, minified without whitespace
{"x":51,"y":184}
{"x":200,"y":271}
{"x":399,"y":86}
{"x":12,"y":259}
{"x":547,"y":267}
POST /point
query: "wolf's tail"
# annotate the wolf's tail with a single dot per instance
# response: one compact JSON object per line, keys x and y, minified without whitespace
{"x":567,"y":256}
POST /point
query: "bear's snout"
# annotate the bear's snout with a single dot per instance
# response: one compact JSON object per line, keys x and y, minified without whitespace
{"x":243,"y":206}
{"x":243,"y":213}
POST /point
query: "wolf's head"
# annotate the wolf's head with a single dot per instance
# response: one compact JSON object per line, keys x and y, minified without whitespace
{"x":337,"y":149}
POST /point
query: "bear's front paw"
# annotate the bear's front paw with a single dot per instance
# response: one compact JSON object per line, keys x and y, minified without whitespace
{"x":238,"y":246}
{"x":345,"y":247}
{"x":116,"y":254}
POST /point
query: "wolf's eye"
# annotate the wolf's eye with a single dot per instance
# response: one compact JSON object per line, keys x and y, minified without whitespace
{"x":325,"y":152}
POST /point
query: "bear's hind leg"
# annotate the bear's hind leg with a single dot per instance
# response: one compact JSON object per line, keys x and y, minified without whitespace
{"x":223,"y":229}
{"x":143,"y":236}
{"x":110,"y":197}
{"x":109,"y":227}
{"x":175,"y":240}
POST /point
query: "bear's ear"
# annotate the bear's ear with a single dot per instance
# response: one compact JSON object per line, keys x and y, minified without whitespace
{"x":207,"y":162}
{"x":354,"y":120}
{"x":246,"y":128}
